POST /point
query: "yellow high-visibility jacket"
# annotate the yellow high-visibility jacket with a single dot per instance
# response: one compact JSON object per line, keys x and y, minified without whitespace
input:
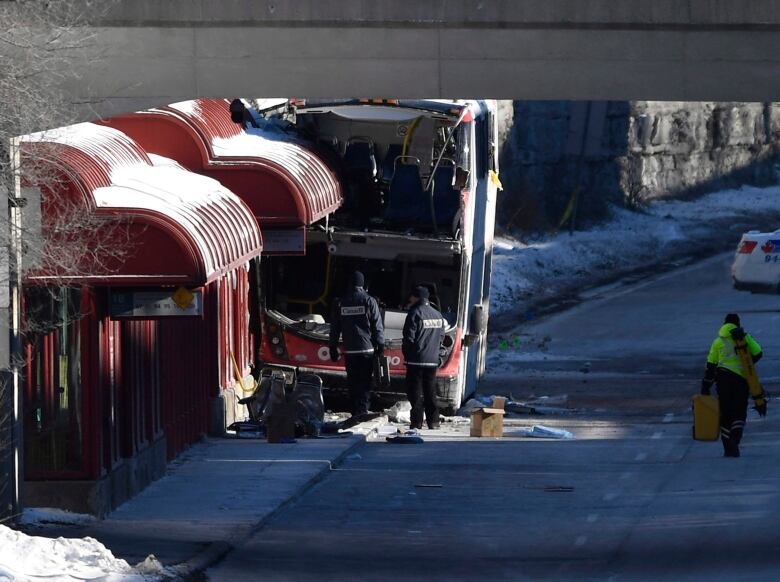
{"x":723,"y":355}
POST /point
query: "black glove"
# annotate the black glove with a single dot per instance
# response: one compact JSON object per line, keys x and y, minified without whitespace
{"x":761,"y":408}
{"x":379,"y":351}
{"x":706,"y":385}
{"x":334,"y":354}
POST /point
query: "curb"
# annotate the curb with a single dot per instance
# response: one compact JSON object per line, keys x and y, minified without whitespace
{"x":216,"y":551}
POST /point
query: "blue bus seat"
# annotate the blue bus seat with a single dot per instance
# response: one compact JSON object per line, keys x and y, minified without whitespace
{"x":446,"y":199}
{"x":408,"y":203}
{"x":388,"y":164}
{"x":359,"y":159}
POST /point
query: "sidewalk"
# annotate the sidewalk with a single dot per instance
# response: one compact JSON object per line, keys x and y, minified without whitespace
{"x":211,"y":498}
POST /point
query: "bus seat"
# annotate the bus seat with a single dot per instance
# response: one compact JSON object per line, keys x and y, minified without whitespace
{"x":446,"y":199}
{"x":388,"y":164}
{"x":359,"y":159}
{"x":408,"y":203}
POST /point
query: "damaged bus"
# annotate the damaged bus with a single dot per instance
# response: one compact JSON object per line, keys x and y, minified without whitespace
{"x":419,"y":179}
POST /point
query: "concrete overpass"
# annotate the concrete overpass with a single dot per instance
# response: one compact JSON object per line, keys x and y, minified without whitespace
{"x":146,"y":52}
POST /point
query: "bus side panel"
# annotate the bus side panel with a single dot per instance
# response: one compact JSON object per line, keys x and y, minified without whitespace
{"x":482,"y":237}
{"x":490,"y":222}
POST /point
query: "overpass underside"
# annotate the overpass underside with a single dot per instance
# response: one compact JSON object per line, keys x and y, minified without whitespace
{"x":147,"y":52}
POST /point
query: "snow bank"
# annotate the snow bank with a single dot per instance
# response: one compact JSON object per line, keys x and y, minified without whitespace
{"x":31,"y":558}
{"x":525,"y":273}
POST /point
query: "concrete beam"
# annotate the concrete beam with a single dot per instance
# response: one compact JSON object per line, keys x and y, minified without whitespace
{"x":148,"y":52}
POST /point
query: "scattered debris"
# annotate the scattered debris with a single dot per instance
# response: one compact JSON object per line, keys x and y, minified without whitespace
{"x":559,"y":489}
{"x":471,"y":404}
{"x":488,"y":421}
{"x":545,"y":432}
{"x":405,"y":440}
{"x":454,"y":419}
{"x":372,"y":424}
{"x":400,"y":412}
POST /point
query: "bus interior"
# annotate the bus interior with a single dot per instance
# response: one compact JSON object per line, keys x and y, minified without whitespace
{"x":402,"y":168}
{"x":304,"y":303}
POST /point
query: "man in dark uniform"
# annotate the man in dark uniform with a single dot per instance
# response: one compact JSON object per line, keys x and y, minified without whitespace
{"x":423,"y":334}
{"x":726,"y":370}
{"x":356,"y":318}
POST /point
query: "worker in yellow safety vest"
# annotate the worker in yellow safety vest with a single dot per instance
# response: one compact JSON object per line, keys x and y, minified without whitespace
{"x":725,"y":368}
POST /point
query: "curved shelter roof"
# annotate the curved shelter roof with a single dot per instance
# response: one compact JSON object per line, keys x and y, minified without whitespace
{"x":284,"y":183}
{"x":182,"y":228}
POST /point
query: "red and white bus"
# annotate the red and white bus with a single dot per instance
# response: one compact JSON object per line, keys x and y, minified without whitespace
{"x":419,"y":180}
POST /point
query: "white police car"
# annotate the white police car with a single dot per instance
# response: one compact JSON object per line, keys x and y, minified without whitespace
{"x":757,"y":262}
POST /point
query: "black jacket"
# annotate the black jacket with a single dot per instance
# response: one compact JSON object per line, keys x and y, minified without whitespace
{"x":423,"y":333}
{"x":356,"y":317}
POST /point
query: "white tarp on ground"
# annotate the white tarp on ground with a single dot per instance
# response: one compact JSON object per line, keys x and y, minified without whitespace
{"x":31,"y":558}
{"x":527,"y":272}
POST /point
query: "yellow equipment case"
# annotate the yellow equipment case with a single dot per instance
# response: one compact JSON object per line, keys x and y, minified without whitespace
{"x":706,"y":418}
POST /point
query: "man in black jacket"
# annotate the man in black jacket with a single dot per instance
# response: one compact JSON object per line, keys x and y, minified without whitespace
{"x":423,"y":334}
{"x":356,"y":318}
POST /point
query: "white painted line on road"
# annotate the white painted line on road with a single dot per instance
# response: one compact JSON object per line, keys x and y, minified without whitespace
{"x":581,"y":541}
{"x":668,"y":417}
{"x":610,"y":496}
{"x":640,"y":457}
{"x":593,"y":518}
{"x":657,"y":435}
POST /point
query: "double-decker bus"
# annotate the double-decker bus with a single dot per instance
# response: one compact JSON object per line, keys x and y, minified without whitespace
{"x":419,"y":179}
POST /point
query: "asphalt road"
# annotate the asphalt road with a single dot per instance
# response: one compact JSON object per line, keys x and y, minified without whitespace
{"x":632,"y":497}
{"x":640,"y":349}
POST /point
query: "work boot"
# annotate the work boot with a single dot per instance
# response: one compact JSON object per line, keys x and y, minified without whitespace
{"x":434,"y":426}
{"x":730,"y":449}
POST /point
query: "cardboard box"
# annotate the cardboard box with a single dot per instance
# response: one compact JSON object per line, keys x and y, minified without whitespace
{"x":489,"y":421}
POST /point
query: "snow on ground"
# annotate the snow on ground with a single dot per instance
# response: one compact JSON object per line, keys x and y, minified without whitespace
{"x":46,"y":515}
{"x":30,"y":558}
{"x":524,"y":274}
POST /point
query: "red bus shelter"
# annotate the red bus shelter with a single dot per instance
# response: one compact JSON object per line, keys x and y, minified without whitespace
{"x":128,"y":344}
{"x":286,"y":186}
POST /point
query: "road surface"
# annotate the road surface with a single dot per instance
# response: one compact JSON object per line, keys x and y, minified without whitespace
{"x":632,"y":497}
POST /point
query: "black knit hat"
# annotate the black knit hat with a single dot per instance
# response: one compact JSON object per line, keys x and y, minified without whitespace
{"x":421,"y":292}
{"x":732,"y":318}
{"x":357,"y":279}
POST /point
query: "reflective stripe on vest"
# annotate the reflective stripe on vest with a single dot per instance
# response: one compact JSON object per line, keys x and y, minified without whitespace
{"x":368,"y":351}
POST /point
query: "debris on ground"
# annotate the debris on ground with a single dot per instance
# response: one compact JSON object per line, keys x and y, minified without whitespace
{"x":543,"y":406}
{"x":544,"y":432}
{"x":405,"y":440}
{"x":453,"y":419}
{"x":488,"y":421}
{"x":471,"y":404}
{"x":400,"y":412}
{"x":372,"y":425}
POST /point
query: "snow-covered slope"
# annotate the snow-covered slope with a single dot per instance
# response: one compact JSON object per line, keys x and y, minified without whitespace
{"x":526,"y":273}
